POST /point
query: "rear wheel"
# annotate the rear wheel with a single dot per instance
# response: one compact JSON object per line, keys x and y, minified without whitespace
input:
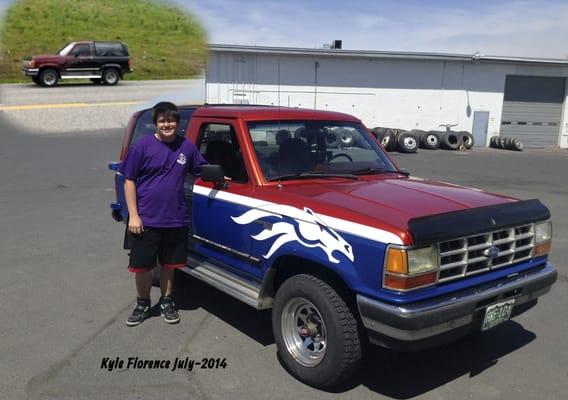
{"x":110,"y":76}
{"x":316,"y":333}
{"x":48,"y":77}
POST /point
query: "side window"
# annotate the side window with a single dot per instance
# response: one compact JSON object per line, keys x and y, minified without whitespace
{"x":218,"y":144}
{"x":103,"y":49}
{"x":81,"y":50}
{"x":144,"y":125}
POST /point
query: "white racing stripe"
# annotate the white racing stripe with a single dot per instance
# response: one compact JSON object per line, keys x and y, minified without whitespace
{"x":353,"y":228}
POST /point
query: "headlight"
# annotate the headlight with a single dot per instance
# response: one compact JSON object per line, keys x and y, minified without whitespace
{"x":542,"y":232}
{"x":407,"y":269}
{"x":422,"y":260}
{"x":542,"y":238}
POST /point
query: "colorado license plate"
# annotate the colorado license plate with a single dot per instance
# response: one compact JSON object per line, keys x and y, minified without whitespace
{"x":497,"y":313}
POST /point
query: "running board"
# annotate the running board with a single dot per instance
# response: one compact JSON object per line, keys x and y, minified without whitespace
{"x":81,"y":76}
{"x":226,"y":282}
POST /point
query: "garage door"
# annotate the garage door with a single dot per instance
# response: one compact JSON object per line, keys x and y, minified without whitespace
{"x":532,"y":109}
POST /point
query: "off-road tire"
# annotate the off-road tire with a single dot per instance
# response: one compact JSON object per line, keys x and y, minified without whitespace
{"x":48,"y":77}
{"x":111,"y":76}
{"x":341,"y":331}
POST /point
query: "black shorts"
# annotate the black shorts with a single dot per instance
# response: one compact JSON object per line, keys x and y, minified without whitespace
{"x":168,"y":246}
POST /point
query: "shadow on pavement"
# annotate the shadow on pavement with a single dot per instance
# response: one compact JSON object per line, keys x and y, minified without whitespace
{"x":387,"y":372}
{"x":191,"y":294}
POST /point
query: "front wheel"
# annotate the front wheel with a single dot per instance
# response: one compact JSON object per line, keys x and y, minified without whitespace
{"x":316,"y":333}
{"x":48,"y":77}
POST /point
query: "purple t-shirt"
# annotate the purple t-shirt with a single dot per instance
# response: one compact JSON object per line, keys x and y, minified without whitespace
{"x":158,"y":170}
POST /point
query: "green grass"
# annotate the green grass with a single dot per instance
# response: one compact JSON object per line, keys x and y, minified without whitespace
{"x":165,"y":42}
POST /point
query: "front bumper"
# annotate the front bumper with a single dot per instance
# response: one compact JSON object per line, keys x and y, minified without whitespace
{"x":459,"y":312}
{"x":30,"y":71}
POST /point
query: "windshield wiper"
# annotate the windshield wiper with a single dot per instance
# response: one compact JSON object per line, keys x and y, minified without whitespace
{"x":305,"y":175}
{"x":372,"y":170}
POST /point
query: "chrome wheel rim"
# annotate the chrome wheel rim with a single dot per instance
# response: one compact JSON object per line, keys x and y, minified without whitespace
{"x":304,"y":332}
{"x":432,"y":140}
{"x":409,"y":143}
{"x":111,"y":77}
{"x":49,"y":79}
{"x":346,"y":138}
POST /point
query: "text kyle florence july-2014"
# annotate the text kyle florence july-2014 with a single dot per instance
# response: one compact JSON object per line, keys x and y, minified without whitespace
{"x":186,"y":363}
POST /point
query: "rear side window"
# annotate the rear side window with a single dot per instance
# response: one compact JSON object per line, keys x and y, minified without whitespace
{"x":110,"y":50}
{"x":145,"y":126}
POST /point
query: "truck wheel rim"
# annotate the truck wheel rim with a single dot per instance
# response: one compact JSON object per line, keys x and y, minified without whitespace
{"x":49,"y":79}
{"x":111,"y":77}
{"x":409,"y":143}
{"x":432,"y":140}
{"x":303,"y":331}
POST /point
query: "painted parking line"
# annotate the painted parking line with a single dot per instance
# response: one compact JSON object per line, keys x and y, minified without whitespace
{"x":66,"y":105}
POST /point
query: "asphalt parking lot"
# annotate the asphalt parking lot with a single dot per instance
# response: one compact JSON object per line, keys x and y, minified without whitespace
{"x":66,"y":292}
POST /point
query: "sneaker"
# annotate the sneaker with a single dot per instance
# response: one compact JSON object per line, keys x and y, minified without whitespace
{"x":140,"y":312}
{"x":168,"y":310}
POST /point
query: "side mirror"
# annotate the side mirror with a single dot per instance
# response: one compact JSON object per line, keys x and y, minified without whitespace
{"x":214,"y":173}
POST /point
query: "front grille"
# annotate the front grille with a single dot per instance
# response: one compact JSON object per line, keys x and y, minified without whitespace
{"x":467,"y":256}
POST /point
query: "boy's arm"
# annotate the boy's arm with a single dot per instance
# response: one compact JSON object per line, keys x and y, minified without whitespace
{"x":134,"y":221}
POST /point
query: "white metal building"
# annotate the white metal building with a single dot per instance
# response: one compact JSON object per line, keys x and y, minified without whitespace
{"x":521,"y":97}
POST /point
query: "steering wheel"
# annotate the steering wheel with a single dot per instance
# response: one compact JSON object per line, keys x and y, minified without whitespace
{"x":341,"y":155}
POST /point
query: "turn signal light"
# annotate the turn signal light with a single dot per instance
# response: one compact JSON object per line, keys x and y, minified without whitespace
{"x":397,"y":261}
{"x":541,"y":249}
{"x":410,"y":282}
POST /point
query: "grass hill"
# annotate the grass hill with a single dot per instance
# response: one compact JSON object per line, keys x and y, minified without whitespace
{"x":165,"y":42}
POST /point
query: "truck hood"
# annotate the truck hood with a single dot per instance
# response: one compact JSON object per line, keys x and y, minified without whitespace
{"x":389,"y":203}
{"x":47,"y":58}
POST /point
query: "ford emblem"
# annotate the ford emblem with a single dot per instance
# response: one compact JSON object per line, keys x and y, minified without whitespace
{"x":491,"y":252}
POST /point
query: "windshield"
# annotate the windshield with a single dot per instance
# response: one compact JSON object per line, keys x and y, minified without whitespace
{"x":65,"y":50}
{"x":286,"y":148}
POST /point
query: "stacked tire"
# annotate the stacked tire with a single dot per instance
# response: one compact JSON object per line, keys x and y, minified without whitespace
{"x":409,"y":141}
{"x":386,"y":136}
{"x":506,"y":143}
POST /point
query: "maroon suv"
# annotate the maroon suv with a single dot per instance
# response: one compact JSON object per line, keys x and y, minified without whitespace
{"x":101,"y":62}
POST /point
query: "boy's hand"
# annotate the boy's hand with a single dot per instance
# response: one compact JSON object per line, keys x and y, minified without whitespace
{"x":135,"y":225}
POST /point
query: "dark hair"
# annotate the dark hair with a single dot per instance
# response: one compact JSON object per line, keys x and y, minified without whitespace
{"x":166,"y":109}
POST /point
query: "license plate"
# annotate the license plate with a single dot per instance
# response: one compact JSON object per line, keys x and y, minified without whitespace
{"x":497,"y":313}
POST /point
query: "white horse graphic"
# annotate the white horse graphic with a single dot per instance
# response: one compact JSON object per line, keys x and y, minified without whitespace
{"x":305,"y":228}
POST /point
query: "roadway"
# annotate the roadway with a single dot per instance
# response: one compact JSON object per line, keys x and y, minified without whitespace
{"x":72,"y":108}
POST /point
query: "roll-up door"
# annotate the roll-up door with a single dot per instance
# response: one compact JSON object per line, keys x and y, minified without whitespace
{"x":532,"y":109}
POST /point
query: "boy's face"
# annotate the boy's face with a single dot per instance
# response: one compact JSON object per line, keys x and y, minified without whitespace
{"x":166,"y":127}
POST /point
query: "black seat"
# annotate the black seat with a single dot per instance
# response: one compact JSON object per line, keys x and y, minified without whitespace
{"x":223,"y":153}
{"x":293,"y":157}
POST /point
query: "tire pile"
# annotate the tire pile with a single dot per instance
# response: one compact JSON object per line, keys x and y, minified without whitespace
{"x":409,"y":141}
{"x":506,"y":143}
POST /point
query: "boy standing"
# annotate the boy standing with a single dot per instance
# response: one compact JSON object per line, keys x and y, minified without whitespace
{"x":155,"y":170}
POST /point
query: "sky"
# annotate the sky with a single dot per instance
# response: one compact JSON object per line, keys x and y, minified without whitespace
{"x":524,"y":28}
